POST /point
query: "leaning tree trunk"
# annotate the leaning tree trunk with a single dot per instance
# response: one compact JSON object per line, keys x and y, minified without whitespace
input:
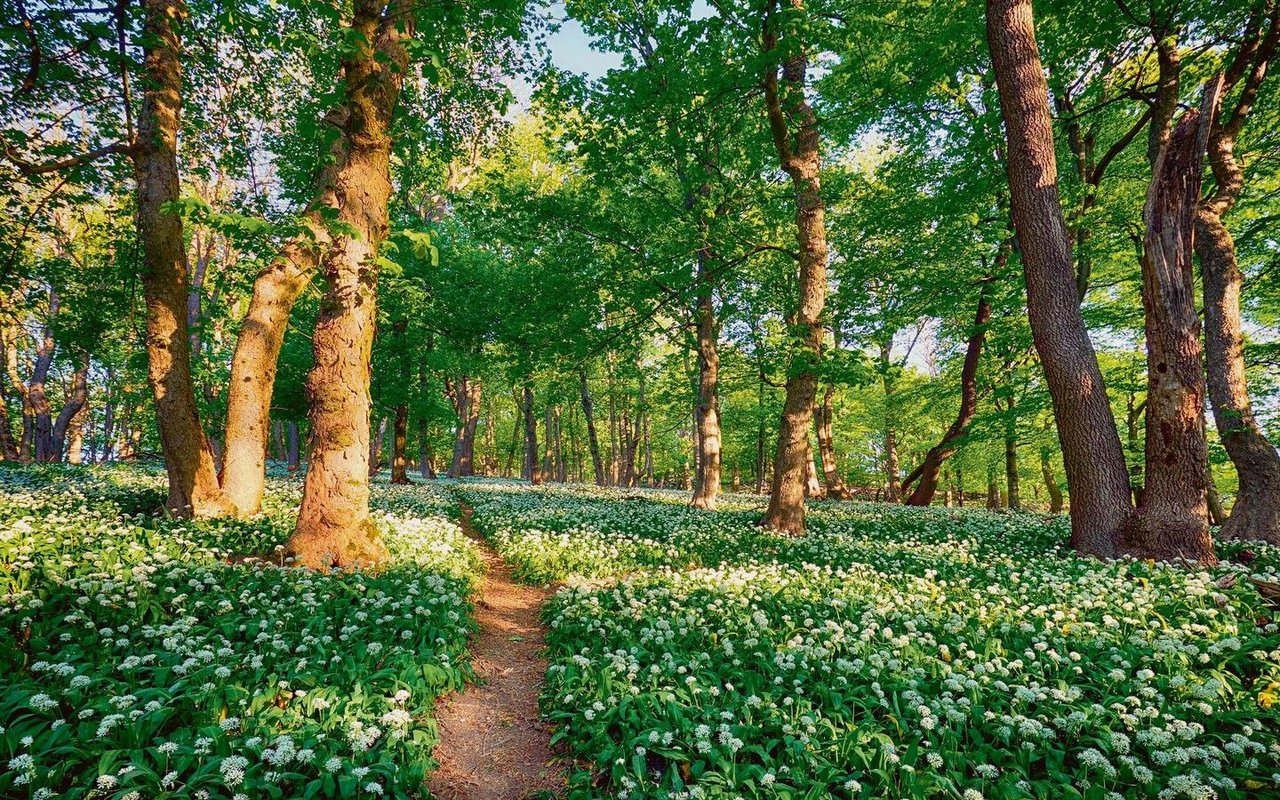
{"x":823,"y":418}
{"x":799,"y":155}
{"x":193,"y":476}
{"x":1256,"y":512}
{"x":1094,"y":460}
{"x":1050,"y":480}
{"x":69,"y":414}
{"x":593,"y":441}
{"x":927,"y":472}
{"x":706,"y":480}
{"x":253,"y":368}
{"x":1172,"y":520}
{"x":75,"y":436}
{"x":400,"y":446}
{"x":277,"y":288}
{"x":334,"y":527}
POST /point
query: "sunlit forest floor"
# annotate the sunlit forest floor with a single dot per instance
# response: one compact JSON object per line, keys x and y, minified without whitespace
{"x":892,"y":652}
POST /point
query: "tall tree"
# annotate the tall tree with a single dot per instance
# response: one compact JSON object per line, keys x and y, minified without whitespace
{"x":334,"y":527}
{"x":193,"y":477}
{"x":1172,"y":517}
{"x":796,"y":138}
{"x":1095,"y":466}
{"x":1256,"y":513}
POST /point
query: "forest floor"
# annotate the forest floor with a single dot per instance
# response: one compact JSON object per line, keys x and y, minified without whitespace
{"x":492,"y":744}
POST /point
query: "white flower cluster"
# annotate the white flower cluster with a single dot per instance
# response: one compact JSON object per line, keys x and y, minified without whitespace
{"x":144,"y":650}
{"x":892,"y":652}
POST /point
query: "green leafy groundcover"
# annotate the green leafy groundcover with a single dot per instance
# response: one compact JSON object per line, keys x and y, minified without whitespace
{"x":893,"y":652}
{"x":139,"y":663}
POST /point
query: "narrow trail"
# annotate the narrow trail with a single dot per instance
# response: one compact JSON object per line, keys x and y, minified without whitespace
{"x":492,"y":744}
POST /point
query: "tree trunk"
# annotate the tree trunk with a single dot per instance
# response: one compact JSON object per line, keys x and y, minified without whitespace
{"x":1256,"y":512}
{"x":892,"y":486}
{"x":548,"y":445}
{"x":1172,"y":520}
{"x":189,"y":462}
{"x":530,"y":472}
{"x":70,"y":412}
{"x":1012,"y":483}
{"x":593,"y":442}
{"x":377,"y":439}
{"x":1050,"y":481}
{"x":253,"y":370}
{"x":799,"y":155}
{"x":561,"y":471}
{"x":334,"y":527}
{"x":812,"y":486}
{"x":108,"y":431}
{"x":277,"y":440}
{"x":291,"y":436}
{"x":823,"y":415}
{"x":761,"y":447}
{"x":8,"y":447}
{"x":927,"y":472}
{"x":1094,"y":460}
{"x":41,"y":412}
{"x":400,"y":446}
{"x":467,"y":406}
{"x":75,"y":436}
{"x":424,"y":450}
{"x":706,"y":414}
{"x":1217,"y":514}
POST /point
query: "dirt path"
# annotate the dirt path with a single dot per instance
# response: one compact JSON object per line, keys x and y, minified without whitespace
{"x":492,"y":745}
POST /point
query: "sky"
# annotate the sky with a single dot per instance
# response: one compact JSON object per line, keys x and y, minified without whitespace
{"x":571,"y":51}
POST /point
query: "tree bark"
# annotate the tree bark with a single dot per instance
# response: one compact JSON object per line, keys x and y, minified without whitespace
{"x":277,"y":288}
{"x":189,"y":462}
{"x":1091,"y":449}
{"x":40,"y":410}
{"x":75,"y":435}
{"x":467,"y":406}
{"x":799,"y":155}
{"x":291,"y":437}
{"x":377,"y":442}
{"x":334,"y":527}
{"x":76,"y":402}
{"x":706,"y":480}
{"x":1012,"y":482}
{"x":927,"y":472}
{"x":8,"y":446}
{"x":424,"y":450}
{"x":400,"y":446}
{"x":530,"y":471}
{"x":823,"y":416}
{"x":892,"y":487}
{"x":593,"y":441}
{"x":1255,"y":514}
{"x":1172,"y":520}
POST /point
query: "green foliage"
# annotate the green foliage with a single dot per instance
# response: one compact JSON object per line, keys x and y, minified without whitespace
{"x":147,"y":661}
{"x":892,"y":652}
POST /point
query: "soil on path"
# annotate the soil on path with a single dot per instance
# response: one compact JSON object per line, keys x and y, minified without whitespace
{"x":492,"y":744}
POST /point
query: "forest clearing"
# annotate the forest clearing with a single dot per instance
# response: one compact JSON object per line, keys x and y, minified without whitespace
{"x":692,"y":400}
